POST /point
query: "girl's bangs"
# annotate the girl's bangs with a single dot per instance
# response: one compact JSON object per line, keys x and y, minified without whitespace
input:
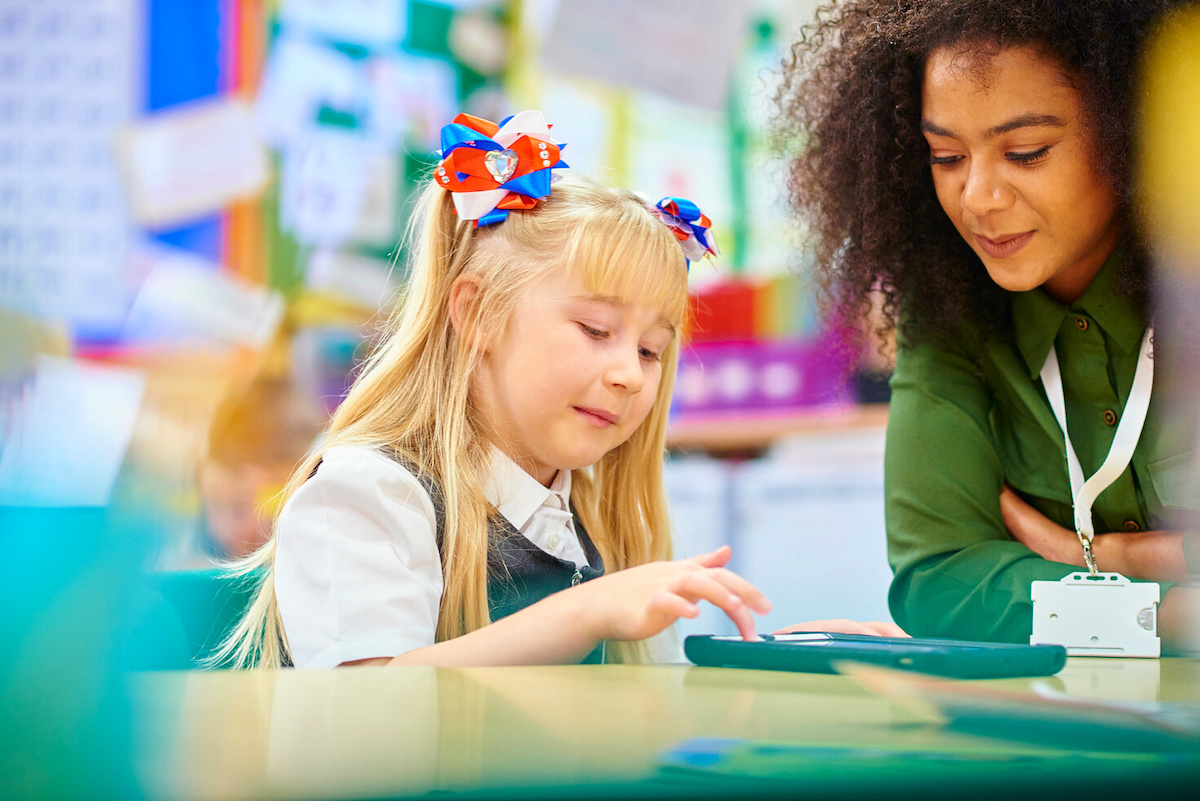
{"x":633,"y":258}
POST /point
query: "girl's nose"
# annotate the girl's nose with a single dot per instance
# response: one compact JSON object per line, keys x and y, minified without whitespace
{"x":625,"y":370}
{"x":985,"y":190}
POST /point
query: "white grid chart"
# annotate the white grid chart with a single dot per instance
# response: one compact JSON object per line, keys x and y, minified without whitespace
{"x":68,"y":81}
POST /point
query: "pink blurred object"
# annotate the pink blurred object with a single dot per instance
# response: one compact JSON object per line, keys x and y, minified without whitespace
{"x":731,"y":379}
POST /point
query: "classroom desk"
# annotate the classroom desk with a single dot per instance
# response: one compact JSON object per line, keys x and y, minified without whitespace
{"x":592,"y":731}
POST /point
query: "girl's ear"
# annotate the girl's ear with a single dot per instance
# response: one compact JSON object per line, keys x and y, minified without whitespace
{"x":463,"y":308}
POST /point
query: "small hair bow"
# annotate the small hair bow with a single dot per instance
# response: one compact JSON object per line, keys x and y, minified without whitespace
{"x":689,"y":225}
{"x":492,"y":168}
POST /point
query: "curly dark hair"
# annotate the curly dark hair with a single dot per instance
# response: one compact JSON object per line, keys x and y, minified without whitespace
{"x":851,"y":93}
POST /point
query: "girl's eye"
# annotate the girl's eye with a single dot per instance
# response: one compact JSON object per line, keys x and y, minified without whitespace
{"x":649,"y":355}
{"x":594,"y":333}
{"x":944,"y":160}
{"x":1030,"y":157}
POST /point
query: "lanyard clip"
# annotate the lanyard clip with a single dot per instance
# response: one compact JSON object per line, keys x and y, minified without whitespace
{"x":1089,"y":557}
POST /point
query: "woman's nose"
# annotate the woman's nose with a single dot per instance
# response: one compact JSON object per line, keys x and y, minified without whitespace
{"x":985,"y":190}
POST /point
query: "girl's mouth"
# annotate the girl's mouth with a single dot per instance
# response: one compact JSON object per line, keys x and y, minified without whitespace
{"x":1004,"y":246}
{"x":597,"y":417}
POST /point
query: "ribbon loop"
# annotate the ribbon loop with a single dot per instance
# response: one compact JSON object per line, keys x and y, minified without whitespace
{"x":689,"y":225}
{"x":491,"y":169}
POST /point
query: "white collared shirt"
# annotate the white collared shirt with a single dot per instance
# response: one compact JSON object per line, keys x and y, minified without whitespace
{"x":357,"y":568}
{"x":542,"y":514}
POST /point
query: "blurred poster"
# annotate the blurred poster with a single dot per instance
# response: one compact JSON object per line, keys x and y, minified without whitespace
{"x":360,"y":280}
{"x":68,"y":434}
{"x":681,"y":49}
{"x":301,"y":79}
{"x":373,"y":23}
{"x":683,"y":151}
{"x":68,"y":80}
{"x":186,"y":298}
{"x":324,"y":186}
{"x":584,"y":118}
{"x":412,"y":97}
{"x":191,"y":160}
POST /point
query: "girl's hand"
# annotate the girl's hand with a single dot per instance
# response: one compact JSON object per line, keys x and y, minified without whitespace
{"x":1149,"y":555}
{"x":639,"y":602}
{"x":874,"y":628}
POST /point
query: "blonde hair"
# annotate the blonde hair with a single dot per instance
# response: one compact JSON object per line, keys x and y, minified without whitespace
{"x":413,"y":394}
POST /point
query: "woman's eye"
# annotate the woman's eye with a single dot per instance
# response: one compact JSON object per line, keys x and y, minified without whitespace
{"x":944,"y":160}
{"x":1029,"y":157}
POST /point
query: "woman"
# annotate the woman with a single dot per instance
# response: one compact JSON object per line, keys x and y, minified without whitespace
{"x":970,"y":163}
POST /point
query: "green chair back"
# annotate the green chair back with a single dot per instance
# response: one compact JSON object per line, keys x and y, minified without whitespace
{"x":208,"y":604}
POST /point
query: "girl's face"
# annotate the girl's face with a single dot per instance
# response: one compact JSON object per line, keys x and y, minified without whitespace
{"x":1014,"y":168}
{"x":572,"y":376}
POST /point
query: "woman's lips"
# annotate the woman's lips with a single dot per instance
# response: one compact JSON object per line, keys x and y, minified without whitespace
{"x":1004,"y":246}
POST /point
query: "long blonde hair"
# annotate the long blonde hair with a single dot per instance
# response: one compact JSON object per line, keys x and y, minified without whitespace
{"x":413,"y":394}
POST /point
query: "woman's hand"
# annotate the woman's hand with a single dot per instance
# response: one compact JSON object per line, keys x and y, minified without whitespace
{"x":1039,"y":533}
{"x":875,"y":628}
{"x":639,"y":602}
{"x":1148,"y":555}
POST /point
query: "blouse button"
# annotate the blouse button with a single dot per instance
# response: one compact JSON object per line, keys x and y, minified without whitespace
{"x":1132,"y":525}
{"x":1081,"y":323}
{"x":554,"y":540}
{"x":1110,"y":418}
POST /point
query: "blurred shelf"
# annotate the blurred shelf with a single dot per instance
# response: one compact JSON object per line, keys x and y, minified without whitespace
{"x":755,"y":433}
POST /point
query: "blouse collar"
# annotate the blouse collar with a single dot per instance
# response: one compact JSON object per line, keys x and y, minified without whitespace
{"x":1038,"y":317}
{"x":517,"y":495}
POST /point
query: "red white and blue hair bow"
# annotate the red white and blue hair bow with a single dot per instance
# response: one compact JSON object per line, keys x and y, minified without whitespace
{"x":492,"y":169}
{"x":689,"y":225}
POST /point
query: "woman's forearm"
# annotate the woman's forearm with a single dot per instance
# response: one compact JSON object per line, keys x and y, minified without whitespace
{"x":1149,"y":555}
{"x":1179,"y":621}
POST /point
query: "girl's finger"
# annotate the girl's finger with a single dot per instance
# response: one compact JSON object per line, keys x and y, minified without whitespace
{"x":717,"y":558}
{"x":750,"y":595}
{"x":704,"y":586}
{"x":744,"y":620}
{"x":671,"y":605}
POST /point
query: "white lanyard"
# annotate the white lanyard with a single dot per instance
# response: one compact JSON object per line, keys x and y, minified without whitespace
{"x":1129,"y":429}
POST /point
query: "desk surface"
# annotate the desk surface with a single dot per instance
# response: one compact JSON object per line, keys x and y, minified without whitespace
{"x":567,"y":731}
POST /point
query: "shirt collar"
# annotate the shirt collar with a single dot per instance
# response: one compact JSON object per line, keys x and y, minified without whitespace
{"x":517,"y":495}
{"x":1037,"y":317}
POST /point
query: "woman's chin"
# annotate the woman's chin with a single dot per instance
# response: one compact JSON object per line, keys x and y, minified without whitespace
{"x":1013,"y":280}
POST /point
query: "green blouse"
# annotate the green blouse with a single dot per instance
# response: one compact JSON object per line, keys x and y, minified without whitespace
{"x":968,"y":418}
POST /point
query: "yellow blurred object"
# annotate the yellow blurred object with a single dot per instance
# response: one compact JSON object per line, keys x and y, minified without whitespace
{"x":1170,"y":175}
{"x":1170,"y":155}
{"x":22,"y":339}
{"x":319,"y":309}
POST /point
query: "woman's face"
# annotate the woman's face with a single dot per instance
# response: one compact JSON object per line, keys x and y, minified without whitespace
{"x":1014,"y":167}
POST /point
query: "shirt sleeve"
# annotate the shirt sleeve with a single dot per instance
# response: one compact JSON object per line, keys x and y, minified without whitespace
{"x":357,"y":569}
{"x":958,"y":573}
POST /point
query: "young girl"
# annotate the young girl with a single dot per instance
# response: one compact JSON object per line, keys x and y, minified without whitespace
{"x":490,"y":490}
{"x":971,"y":160}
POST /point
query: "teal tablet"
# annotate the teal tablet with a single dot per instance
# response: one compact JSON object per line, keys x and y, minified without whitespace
{"x":816,"y":652}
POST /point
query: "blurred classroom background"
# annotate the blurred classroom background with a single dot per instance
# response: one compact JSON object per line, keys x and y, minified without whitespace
{"x":201,"y":210}
{"x":201,"y":206}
